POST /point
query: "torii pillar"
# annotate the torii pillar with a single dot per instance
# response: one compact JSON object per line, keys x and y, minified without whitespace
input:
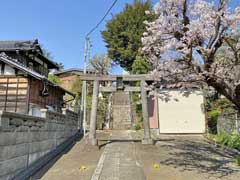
{"x":147,"y":137}
{"x":93,"y":119}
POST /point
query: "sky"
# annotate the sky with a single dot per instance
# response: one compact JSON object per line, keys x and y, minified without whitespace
{"x":60,"y":25}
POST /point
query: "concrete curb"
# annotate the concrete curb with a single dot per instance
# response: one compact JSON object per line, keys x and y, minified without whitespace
{"x":97,"y":173}
{"x":33,"y":168}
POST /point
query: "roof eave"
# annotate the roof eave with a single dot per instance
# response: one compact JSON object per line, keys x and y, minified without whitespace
{"x":53,"y":64}
{"x":36,"y":75}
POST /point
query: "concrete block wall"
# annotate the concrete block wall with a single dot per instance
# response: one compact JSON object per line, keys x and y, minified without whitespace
{"x":24,"y":139}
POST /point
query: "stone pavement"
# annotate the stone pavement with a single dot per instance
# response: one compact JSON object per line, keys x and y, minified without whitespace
{"x":119,"y":159}
{"x":122,"y":157}
{"x":68,"y":165}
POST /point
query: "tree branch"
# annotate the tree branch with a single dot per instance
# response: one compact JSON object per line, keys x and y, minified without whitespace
{"x":235,"y":52}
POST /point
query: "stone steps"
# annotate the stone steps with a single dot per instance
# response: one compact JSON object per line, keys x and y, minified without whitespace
{"x":122,"y":111}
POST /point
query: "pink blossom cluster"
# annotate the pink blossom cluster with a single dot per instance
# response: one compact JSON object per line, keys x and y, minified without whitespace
{"x":195,"y":41}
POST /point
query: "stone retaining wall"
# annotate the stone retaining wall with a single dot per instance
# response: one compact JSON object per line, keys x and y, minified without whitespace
{"x":228,"y":123}
{"x":24,"y":139}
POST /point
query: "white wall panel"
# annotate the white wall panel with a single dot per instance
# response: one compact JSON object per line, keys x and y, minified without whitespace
{"x":182,"y":116}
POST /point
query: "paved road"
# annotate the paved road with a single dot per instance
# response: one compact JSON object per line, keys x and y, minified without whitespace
{"x":180,"y":158}
{"x":68,"y":165}
{"x":119,"y":159}
{"x":187,"y":158}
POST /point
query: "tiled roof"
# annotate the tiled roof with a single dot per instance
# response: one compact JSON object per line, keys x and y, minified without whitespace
{"x":76,"y":71}
{"x":31,"y":45}
{"x":19,"y":45}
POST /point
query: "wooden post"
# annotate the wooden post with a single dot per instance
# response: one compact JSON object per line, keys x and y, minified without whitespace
{"x":93,"y":120}
{"x":147,"y":137}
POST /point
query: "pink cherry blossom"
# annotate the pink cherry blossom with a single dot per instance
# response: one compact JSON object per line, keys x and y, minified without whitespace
{"x":195,"y":41}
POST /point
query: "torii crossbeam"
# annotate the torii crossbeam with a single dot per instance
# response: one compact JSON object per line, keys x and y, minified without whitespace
{"x":115,"y":78}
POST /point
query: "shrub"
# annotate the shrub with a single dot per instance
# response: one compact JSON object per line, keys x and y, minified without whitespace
{"x":216,"y":107}
{"x":214,"y":114}
{"x":232,"y":141}
{"x":212,"y":120}
{"x":54,"y":79}
{"x":238,"y":160}
{"x":137,"y":126}
{"x":222,"y":138}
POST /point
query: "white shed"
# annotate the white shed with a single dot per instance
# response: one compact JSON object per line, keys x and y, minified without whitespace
{"x":182,"y":114}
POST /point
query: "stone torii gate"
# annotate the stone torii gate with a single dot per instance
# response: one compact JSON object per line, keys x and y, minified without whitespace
{"x":119,"y":79}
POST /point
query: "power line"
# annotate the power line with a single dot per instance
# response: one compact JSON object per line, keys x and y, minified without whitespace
{"x":108,"y":11}
{"x":87,"y":50}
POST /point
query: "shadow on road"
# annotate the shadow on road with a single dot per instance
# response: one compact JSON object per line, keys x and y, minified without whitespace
{"x":116,"y":140}
{"x":51,"y":163}
{"x":127,"y":140}
{"x":199,"y":156}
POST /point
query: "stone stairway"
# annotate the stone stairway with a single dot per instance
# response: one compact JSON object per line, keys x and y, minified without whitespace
{"x":122,"y":117}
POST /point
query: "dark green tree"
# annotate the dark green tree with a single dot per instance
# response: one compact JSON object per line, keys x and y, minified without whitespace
{"x":124,"y":31}
{"x":140,"y":65}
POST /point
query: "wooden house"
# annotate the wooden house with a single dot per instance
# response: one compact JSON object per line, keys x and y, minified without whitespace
{"x":24,"y":86}
{"x":68,"y":76}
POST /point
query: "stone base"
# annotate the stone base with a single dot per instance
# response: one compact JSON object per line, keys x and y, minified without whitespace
{"x":93,"y":142}
{"x":147,"y":141}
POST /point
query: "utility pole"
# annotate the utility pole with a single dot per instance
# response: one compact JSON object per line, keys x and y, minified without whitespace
{"x":84,"y":87}
{"x":87,"y":51}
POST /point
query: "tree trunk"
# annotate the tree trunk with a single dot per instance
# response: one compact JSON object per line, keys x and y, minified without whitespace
{"x":231,"y":93}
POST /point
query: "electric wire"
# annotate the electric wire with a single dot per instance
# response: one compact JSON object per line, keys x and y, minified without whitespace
{"x":87,"y":50}
{"x":108,"y":11}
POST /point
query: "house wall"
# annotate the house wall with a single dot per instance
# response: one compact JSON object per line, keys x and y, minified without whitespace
{"x":25,"y":139}
{"x":20,"y":94}
{"x":153,"y":112}
{"x":67,"y":81}
{"x":181,"y":114}
{"x":68,"y":78}
{"x":54,"y":97}
{"x":8,"y":70}
{"x":30,"y":61}
{"x":20,"y":57}
{"x":14,"y":94}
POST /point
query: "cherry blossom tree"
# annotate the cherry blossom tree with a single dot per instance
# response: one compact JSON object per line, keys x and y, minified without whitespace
{"x":195,"y":41}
